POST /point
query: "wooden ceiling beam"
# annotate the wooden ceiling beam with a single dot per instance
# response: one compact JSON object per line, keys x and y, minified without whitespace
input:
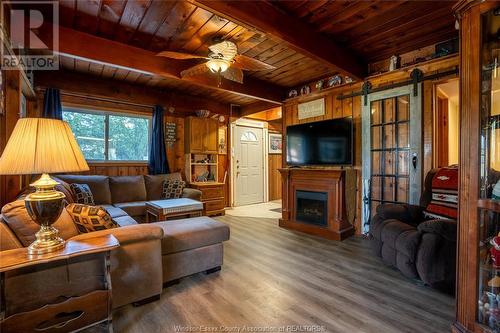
{"x":256,"y":107}
{"x":80,"y":45}
{"x":91,"y":86}
{"x":301,"y":37}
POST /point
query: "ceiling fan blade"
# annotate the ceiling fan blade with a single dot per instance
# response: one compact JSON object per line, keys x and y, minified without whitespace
{"x":226,"y":48}
{"x":179,"y":55}
{"x":195,"y":70}
{"x":233,"y":74}
{"x":250,"y":64}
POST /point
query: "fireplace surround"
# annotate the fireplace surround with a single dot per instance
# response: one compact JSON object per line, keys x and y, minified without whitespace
{"x":314,"y":202}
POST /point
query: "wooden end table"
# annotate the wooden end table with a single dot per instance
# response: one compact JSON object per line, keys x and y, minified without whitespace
{"x":162,"y":210}
{"x":73,"y":313}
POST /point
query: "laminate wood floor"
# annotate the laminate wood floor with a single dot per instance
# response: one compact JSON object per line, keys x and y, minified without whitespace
{"x":274,"y":278}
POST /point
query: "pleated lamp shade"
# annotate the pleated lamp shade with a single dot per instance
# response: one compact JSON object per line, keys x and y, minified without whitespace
{"x":39,"y":145}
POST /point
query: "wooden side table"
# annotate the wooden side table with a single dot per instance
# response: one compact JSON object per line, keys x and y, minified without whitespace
{"x":72,"y":313}
{"x":212,"y":196}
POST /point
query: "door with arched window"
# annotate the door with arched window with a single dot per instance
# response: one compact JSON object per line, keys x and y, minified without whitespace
{"x":249,"y":165}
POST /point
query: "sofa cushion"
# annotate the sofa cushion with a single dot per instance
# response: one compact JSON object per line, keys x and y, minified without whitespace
{"x":187,"y":234}
{"x":90,"y":218}
{"x":408,"y":243}
{"x":119,"y":216}
{"x":124,"y":221}
{"x":172,"y":189}
{"x":114,"y":211}
{"x":8,"y":239}
{"x":99,"y":185}
{"x":17,"y":218}
{"x":135,"y":208}
{"x":83,"y":194}
{"x":154,"y":184}
{"x":127,"y":188}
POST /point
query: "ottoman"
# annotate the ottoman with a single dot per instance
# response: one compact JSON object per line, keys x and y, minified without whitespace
{"x":191,"y":246}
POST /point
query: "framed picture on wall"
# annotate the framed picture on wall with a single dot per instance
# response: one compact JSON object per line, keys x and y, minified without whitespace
{"x":222,"y":140}
{"x":275,"y":143}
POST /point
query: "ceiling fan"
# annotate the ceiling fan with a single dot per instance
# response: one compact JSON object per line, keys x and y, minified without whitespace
{"x":223,"y":59}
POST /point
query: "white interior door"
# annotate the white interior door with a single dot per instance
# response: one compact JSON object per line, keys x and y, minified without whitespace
{"x":249,"y":165}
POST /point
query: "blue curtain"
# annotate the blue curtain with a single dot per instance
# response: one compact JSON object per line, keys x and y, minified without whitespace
{"x":158,"y":163}
{"x":52,"y":104}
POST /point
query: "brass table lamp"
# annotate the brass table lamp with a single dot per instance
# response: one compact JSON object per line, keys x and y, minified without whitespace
{"x":43,"y":146}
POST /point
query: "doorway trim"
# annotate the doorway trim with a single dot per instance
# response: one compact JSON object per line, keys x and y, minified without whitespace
{"x":415,"y":141}
{"x":435,"y":141}
{"x":265,"y":153}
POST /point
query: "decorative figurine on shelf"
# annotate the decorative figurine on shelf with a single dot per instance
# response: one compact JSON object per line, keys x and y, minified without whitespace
{"x":335,"y":81}
{"x":319,"y":85}
{"x":495,"y":282}
{"x":202,"y":113}
{"x":203,"y":177}
{"x":495,"y":251}
{"x":292,"y":93}
{"x":394,"y":63}
{"x":494,"y":320}
{"x":492,"y":300}
{"x":496,"y":191}
{"x":305,"y":90}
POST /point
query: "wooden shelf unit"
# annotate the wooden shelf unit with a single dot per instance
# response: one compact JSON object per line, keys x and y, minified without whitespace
{"x":201,"y":143}
{"x":195,"y":169}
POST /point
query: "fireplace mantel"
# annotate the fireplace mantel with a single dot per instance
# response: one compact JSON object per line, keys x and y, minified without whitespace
{"x":330,"y":181}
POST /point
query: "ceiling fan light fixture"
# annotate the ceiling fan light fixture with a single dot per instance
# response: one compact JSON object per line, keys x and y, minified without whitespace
{"x":218,"y":65}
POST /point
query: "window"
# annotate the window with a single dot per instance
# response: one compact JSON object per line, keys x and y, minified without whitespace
{"x":107,"y":136}
{"x":248,"y":136}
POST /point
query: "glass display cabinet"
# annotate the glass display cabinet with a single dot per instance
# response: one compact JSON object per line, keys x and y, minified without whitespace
{"x":478,"y":238}
{"x":488,"y":309}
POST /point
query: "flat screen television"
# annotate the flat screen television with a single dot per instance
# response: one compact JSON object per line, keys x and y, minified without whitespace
{"x":327,"y":142}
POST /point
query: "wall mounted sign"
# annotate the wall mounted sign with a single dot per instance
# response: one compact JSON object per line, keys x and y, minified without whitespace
{"x":170,"y":133}
{"x":312,"y":109}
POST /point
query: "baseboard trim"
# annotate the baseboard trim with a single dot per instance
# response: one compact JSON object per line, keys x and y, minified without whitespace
{"x":147,"y":300}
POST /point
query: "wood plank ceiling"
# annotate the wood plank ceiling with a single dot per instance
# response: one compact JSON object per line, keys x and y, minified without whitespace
{"x":376,"y":30}
{"x":372,"y":30}
{"x":181,"y":26}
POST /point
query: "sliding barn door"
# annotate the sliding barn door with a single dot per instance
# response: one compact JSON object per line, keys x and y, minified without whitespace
{"x":392,"y":141}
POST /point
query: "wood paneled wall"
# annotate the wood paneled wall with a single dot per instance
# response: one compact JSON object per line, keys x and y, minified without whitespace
{"x":10,"y":185}
{"x":335,"y":108}
{"x":117,"y":169}
{"x":275,"y":188}
{"x":275,"y":163}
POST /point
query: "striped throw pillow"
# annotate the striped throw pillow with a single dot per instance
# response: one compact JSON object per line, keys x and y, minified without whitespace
{"x":444,"y":203}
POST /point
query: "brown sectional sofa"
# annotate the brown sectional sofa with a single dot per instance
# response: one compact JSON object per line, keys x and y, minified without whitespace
{"x":127,"y":195}
{"x":150,"y":255}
